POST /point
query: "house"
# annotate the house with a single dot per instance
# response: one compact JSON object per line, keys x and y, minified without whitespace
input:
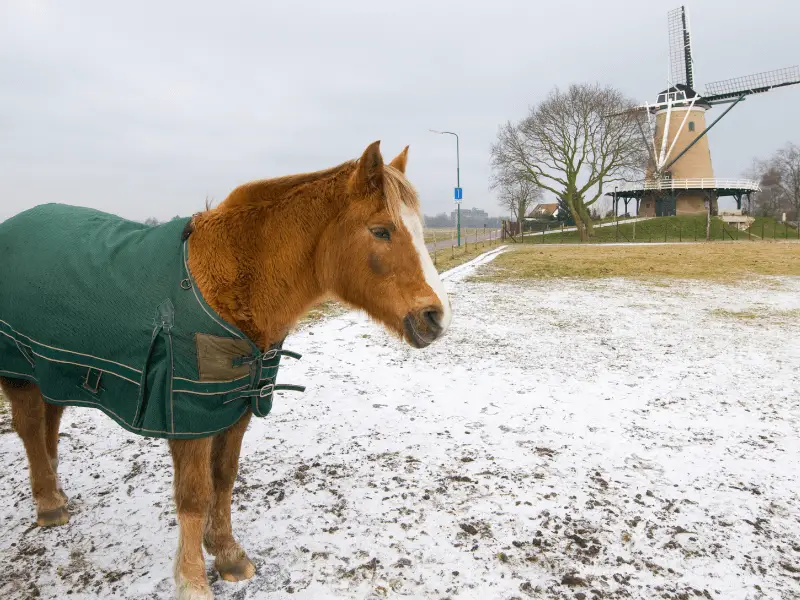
{"x":544,"y":211}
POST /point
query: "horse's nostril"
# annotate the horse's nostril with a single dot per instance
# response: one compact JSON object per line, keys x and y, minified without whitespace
{"x":433,"y":318}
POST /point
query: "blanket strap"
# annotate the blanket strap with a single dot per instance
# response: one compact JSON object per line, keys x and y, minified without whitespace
{"x":263,"y":374}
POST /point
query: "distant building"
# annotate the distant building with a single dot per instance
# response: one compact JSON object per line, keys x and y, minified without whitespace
{"x":543,"y":211}
{"x":471,"y":217}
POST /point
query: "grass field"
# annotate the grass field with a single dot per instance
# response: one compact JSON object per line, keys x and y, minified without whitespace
{"x":728,"y":261}
{"x":671,"y":229}
{"x":438,"y":233}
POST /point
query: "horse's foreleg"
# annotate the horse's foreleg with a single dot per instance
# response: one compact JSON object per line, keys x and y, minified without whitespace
{"x":28,"y":412}
{"x":230,"y":561}
{"x":193,"y":493}
{"x":52,"y":422}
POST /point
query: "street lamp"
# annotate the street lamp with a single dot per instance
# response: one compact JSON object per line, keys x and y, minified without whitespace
{"x":458,"y":181}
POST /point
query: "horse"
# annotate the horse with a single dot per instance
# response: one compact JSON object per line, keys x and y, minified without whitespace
{"x":257,"y":262}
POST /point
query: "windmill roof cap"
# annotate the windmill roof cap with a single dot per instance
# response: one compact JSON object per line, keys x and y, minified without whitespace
{"x":680,"y":87}
{"x":680,"y":94}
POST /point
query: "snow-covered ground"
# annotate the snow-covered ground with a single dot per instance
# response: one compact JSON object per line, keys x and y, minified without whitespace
{"x":567,"y":440}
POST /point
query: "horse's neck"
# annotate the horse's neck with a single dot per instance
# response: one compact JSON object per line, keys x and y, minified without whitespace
{"x":255,"y":265}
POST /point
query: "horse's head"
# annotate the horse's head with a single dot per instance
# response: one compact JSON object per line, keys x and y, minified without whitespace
{"x":373,"y":254}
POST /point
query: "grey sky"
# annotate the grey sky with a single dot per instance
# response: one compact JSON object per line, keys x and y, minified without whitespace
{"x":146,"y":108}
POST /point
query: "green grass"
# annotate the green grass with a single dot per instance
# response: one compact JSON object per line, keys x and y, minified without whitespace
{"x":671,"y":229}
{"x":447,"y":258}
{"x":730,"y":262}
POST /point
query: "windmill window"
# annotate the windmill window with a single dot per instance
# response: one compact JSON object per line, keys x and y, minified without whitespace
{"x":691,"y":125}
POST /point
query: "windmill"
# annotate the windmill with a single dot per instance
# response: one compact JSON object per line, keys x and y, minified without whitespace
{"x":680,"y":177}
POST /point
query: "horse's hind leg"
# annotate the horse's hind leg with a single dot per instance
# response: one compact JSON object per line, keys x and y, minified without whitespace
{"x":230,"y":560}
{"x":52,"y":422}
{"x":28,"y":418}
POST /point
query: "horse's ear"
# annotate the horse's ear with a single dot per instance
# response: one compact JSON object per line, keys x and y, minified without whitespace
{"x":399,"y":162}
{"x":369,"y":173}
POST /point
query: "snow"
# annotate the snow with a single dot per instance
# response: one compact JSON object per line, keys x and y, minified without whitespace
{"x":608,"y":438}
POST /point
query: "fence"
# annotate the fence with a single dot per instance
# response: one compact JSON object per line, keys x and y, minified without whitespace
{"x":663,"y":229}
{"x":445,"y":251}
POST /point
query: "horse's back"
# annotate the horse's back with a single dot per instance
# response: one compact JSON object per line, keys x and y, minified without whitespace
{"x":67,"y":272}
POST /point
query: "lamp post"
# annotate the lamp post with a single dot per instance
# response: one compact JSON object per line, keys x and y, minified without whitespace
{"x":458,"y":182}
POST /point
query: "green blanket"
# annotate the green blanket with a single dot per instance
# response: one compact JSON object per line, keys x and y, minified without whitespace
{"x":101,"y":311}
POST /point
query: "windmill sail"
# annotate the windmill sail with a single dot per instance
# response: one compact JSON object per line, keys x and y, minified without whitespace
{"x":729,"y":90}
{"x":681,"y":66}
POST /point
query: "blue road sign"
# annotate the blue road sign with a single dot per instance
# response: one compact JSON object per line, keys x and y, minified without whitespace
{"x":459,"y":193}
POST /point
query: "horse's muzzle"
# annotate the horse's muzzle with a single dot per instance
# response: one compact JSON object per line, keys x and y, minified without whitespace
{"x":423,"y":327}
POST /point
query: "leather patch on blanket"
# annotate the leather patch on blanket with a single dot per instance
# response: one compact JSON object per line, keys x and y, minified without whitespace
{"x":215,"y":356}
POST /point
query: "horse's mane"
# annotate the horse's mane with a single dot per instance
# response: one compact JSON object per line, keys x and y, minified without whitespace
{"x":398,"y":191}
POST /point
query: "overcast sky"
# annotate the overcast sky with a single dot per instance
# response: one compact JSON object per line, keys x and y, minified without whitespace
{"x":146,"y":108}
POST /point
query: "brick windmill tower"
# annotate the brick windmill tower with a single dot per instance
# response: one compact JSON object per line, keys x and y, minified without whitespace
{"x":680,"y":177}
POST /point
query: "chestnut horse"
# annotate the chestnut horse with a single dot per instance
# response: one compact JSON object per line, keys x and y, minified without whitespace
{"x":270,"y":251}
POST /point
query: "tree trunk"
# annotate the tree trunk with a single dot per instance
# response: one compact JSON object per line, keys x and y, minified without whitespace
{"x":585,"y":217}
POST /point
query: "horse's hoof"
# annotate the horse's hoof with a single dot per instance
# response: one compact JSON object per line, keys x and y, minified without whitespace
{"x":53,"y":518}
{"x":236,"y":570}
{"x":191,"y":592}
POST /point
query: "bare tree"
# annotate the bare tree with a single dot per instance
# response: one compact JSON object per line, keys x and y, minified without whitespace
{"x":151,"y":221}
{"x":570,"y":145}
{"x":771,"y":199}
{"x":786,"y":163}
{"x":518,"y":197}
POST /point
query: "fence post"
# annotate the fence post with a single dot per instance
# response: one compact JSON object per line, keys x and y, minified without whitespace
{"x":774,"y":228}
{"x":785,"y":231}
{"x":695,"y":231}
{"x":453,"y":243}
{"x":665,"y":233}
{"x":762,"y":230}
{"x":680,"y":231}
{"x":562,"y":233}
{"x":434,"y":247}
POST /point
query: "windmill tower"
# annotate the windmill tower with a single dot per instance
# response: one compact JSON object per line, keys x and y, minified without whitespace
{"x":680,"y":177}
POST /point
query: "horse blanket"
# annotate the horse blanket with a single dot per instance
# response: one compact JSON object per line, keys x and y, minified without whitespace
{"x":101,"y":311}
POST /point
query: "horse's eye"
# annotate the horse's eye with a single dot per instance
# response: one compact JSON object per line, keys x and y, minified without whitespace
{"x":381,"y":233}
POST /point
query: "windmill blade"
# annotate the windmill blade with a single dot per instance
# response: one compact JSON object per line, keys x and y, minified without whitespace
{"x":728,"y":90}
{"x":681,"y":66}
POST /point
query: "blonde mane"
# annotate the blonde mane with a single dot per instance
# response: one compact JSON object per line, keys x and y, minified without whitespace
{"x":398,"y":191}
